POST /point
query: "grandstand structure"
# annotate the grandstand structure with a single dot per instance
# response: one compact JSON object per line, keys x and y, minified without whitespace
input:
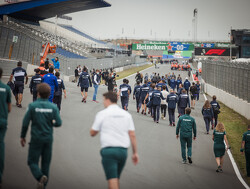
{"x":23,"y":32}
{"x":23,"y":18}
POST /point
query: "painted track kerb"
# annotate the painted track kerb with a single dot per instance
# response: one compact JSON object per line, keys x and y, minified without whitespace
{"x":236,"y":169}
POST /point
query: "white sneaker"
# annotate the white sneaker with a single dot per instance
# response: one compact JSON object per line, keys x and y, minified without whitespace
{"x":164,"y":118}
{"x":42,"y":182}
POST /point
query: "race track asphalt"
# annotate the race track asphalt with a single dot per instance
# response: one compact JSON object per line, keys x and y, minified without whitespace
{"x":76,"y":162}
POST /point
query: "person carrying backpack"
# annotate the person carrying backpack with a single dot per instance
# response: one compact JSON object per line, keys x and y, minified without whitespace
{"x":216,"y":109}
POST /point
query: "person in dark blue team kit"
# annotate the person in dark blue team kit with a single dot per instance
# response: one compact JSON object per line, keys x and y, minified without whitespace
{"x":35,"y":80}
{"x":136,"y":96}
{"x":208,"y":114}
{"x":5,"y":108}
{"x":183,"y":102}
{"x":127,"y":82}
{"x":162,"y":83}
{"x":124,"y":92}
{"x":143,"y":93}
{"x":156,"y":103}
{"x":178,"y":82}
{"x":85,"y":83}
{"x":198,"y":90}
{"x":172,"y":99}
{"x":186,"y":85}
{"x":51,"y":80}
{"x":149,"y":97}
{"x":58,"y":94}
{"x":216,"y":110}
{"x":172,"y":83}
{"x":19,"y":74}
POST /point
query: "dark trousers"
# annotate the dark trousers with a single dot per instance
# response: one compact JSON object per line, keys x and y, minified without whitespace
{"x":156,"y":112}
{"x":163,"y":109}
{"x":171,"y":115}
{"x":34,"y":95}
{"x":207,"y":123}
{"x":247,"y":155}
{"x":138,"y":103}
{"x":124,"y":102}
{"x":2,"y":150}
{"x":58,"y":100}
{"x":215,"y":119}
{"x":198,"y":96}
{"x":182,"y":111}
{"x":36,"y":151}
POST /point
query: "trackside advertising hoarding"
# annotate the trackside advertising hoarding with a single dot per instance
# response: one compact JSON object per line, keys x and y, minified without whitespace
{"x":214,"y":51}
{"x":163,"y":47}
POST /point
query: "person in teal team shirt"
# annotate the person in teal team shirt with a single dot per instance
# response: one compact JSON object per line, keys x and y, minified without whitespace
{"x":5,"y":108}
{"x":245,"y":146}
{"x":219,"y":136}
{"x":186,"y":125}
{"x":44,"y":116}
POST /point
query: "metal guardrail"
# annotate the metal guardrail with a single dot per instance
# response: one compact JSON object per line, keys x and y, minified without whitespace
{"x":232,"y":77}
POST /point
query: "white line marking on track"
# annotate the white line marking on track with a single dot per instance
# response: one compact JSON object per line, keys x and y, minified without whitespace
{"x":236,"y":169}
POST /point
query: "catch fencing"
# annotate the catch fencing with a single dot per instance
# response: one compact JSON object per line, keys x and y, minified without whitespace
{"x":19,"y":44}
{"x":232,"y":77}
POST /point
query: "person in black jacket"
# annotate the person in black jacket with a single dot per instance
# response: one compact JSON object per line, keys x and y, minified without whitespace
{"x":156,"y":102}
{"x":216,"y":109}
{"x":76,"y":74}
{"x":193,"y":93}
{"x":58,"y":94}
{"x":207,"y":112}
{"x":35,"y":80}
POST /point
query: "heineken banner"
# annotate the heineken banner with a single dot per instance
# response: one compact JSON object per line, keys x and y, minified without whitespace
{"x":164,"y":47}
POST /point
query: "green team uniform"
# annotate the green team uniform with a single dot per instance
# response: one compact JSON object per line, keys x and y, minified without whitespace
{"x":246,"y":138}
{"x":44,"y":116}
{"x":186,"y":125}
{"x":5,"y":99}
{"x":219,"y":145}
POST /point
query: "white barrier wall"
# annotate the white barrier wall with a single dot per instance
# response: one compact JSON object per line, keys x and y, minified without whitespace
{"x":235,"y":103}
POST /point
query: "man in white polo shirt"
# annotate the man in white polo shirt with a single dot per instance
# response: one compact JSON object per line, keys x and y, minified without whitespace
{"x":117,"y":129}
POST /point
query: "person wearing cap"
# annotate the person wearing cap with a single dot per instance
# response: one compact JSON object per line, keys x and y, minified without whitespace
{"x":35,"y":80}
{"x":245,"y":147}
{"x":117,"y":131}
{"x":5,"y":108}
{"x":43,"y":116}
{"x":185,"y":127}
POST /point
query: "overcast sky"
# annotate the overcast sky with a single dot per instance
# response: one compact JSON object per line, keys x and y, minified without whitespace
{"x":168,"y":19}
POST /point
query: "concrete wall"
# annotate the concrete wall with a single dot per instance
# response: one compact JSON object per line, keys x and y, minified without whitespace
{"x":233,"y":102}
